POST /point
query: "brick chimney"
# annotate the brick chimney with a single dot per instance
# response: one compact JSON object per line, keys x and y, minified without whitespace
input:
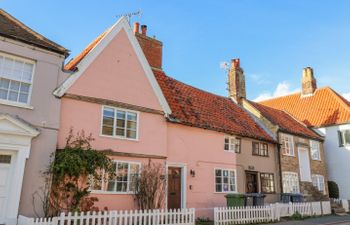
{"x":151,"y":47}
{"x":308,"y":82}
{"x":236,"y":82}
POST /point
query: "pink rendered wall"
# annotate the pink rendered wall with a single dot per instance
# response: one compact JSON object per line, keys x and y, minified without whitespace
{"x":116,"y":74}
{"x":203,"y":151}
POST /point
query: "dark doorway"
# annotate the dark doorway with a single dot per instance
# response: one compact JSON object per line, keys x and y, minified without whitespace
{"x":252,"y":182}
{"x":174,"y":188}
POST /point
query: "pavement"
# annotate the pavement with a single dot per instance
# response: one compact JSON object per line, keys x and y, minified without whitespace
{"x":325,"y":220}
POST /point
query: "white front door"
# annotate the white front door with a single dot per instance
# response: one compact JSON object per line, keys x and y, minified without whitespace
{"x":5,"y":179}
{"x":304,"y":164}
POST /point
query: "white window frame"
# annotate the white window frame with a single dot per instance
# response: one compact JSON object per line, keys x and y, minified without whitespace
{"x":16,"y":103}
{"x":114,"y":123}
{"x":290,"y":138}
{"x":232,"y":140}
{"x":128,"y":192}
{"x":313,"y":150}
{"x":229,"y":170}
{"x":288,"y":175}
{"x":341,"y":135}
{"x":316,"y":181}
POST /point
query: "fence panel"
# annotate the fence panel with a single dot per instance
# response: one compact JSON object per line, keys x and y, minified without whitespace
{"x":132,"y":217}
{"x":316,"y":208}
{"x":345,"y":204}
{"x":326,"y":208}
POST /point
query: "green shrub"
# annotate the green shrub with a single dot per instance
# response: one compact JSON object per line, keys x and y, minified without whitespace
{"x":333,"y":189}
{"x":296,"y":216}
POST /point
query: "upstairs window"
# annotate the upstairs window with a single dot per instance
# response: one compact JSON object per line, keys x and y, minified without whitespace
{"x":119,"y":123}
{"x":344,"y":137}
{"x":260,"y":149}
{"x":290,"y":182}
{"x":315,"y":150}
{"x":318,"y":181}
{"x":287,"y":144}
{"x":16,"y":79}
{"x":232,"y":144}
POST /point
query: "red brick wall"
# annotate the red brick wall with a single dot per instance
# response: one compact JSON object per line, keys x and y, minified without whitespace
{"x":152,"y":49}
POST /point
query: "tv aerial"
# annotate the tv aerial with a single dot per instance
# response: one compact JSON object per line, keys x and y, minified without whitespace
{"x":131,"y":14}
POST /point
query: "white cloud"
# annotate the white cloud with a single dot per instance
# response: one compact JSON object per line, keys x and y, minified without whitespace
{"x":347,"y":96}
{"x":282,"y":89}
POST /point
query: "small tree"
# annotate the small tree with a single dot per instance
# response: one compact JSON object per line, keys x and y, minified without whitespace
{"x":71,"y":170}
{"x":333,"y":189}
{"x":150,"y":186}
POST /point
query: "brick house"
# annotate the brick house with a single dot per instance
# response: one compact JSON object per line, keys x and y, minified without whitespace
{"x":301,"y":157}
{"x":328,"y":113}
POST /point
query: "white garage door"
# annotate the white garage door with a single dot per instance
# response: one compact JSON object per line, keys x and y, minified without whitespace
{"x":5,"y":169}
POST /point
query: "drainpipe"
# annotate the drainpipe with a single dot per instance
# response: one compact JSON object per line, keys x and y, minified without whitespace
{"x":279,"y":161}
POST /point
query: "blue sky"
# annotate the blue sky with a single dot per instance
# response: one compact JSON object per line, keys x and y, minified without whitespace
{"x":273,"y":39}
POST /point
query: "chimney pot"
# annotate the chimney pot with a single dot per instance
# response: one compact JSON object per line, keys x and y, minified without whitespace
{"x":144,"y":29}
{"x":136,"y":27}
{"x":235,"y":63}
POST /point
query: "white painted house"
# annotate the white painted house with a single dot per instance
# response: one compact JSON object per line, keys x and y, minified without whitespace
{"x":327,"y":112}
{"x":30,"y":70}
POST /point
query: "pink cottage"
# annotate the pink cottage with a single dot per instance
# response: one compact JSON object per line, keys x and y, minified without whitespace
{"x":209,"y":144}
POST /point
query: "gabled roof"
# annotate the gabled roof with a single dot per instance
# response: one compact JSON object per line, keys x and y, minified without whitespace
{"x":12,"y":28}
{"x":194,"y":107}
{"x":90,"y":53}
{"x":285,"y":122}
{"x":324,"y":108}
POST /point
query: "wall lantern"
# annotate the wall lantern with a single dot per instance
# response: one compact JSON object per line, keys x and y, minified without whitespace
{"x":193,"y":173}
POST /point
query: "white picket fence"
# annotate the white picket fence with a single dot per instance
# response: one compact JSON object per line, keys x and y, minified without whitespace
{"x":136,"y":217}
{"x":344,"y":203}
{"x":268,"y":213}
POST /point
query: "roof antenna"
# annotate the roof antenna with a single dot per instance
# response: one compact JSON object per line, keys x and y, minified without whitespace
{"x":131,"y":14}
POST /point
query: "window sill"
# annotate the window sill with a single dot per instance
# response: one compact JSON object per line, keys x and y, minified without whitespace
{"x":288,"y":155}
{"x":230,"y":151}
{"x":16,"y":104}
{"x":119,"y":138}
{"x":319,"y":160}
{"x":265,"y":156}
{"x":226,"y":192}
{"x":111,"y":193}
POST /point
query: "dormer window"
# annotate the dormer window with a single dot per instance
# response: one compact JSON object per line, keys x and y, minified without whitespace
{"x":120,"y":123}
{"x":16,"y":79}
{"x":232,"y":144}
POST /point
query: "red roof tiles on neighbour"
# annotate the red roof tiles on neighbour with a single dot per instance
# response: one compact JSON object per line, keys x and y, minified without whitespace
{"x":286,"y":122}
{"x":198,"y":108}
{"x":324,"y":108}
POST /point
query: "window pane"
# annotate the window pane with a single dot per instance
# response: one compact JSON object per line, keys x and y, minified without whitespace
{"x":14,"y":85}
{"x":111,"y":186}
{"x":347,"y":137}
{"x":218,"y":172}
{"x":107,"y":130}
{"x":7,"y":68}
{"x":23,"y":98}
{"x":3,"y":94}
{"x":218,"y":188}
{"x":27,"y":72}
{"x":13,"y":95}
{"x":131,"y":125}
{"x":25,"y":88}
{"x":4,"y":83}
{"x":132,"y":116}
{"x":17,"y":70}
{"x":120,"y":123}
{"x":120,"y":132}
{"x":121,"y":115}
{"x":108,"y":121}
{"x":131,"y":134}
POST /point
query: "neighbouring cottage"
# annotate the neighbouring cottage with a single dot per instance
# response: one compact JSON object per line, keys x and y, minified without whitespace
{"x":328,"y":113}
{"x":301,"y":156}
{"x":30,"y":70}
{"x":209,"y":145}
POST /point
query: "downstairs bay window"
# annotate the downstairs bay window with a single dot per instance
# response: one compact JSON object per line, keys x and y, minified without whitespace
{"x":225,"y":180}
{"x":123,"y":182}
{"x":290,"y":182}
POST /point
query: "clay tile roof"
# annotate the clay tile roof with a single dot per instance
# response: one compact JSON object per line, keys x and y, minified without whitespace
{"x":12,"y":28}
{"x":72,"y":64}
{"x":324,"y":108}
{"x":194,"y":107}
{"x":286,"y":122}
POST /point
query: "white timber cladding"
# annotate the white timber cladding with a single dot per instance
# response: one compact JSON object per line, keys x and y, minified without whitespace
{"x":122,"y":23}
{"x":124,"y":182}
{"x":290,"y":182}
{"x":16,"y":80}
{"x":287,"y":142}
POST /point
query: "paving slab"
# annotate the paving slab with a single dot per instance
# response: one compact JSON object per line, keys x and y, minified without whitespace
{"x":325,"y":220}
